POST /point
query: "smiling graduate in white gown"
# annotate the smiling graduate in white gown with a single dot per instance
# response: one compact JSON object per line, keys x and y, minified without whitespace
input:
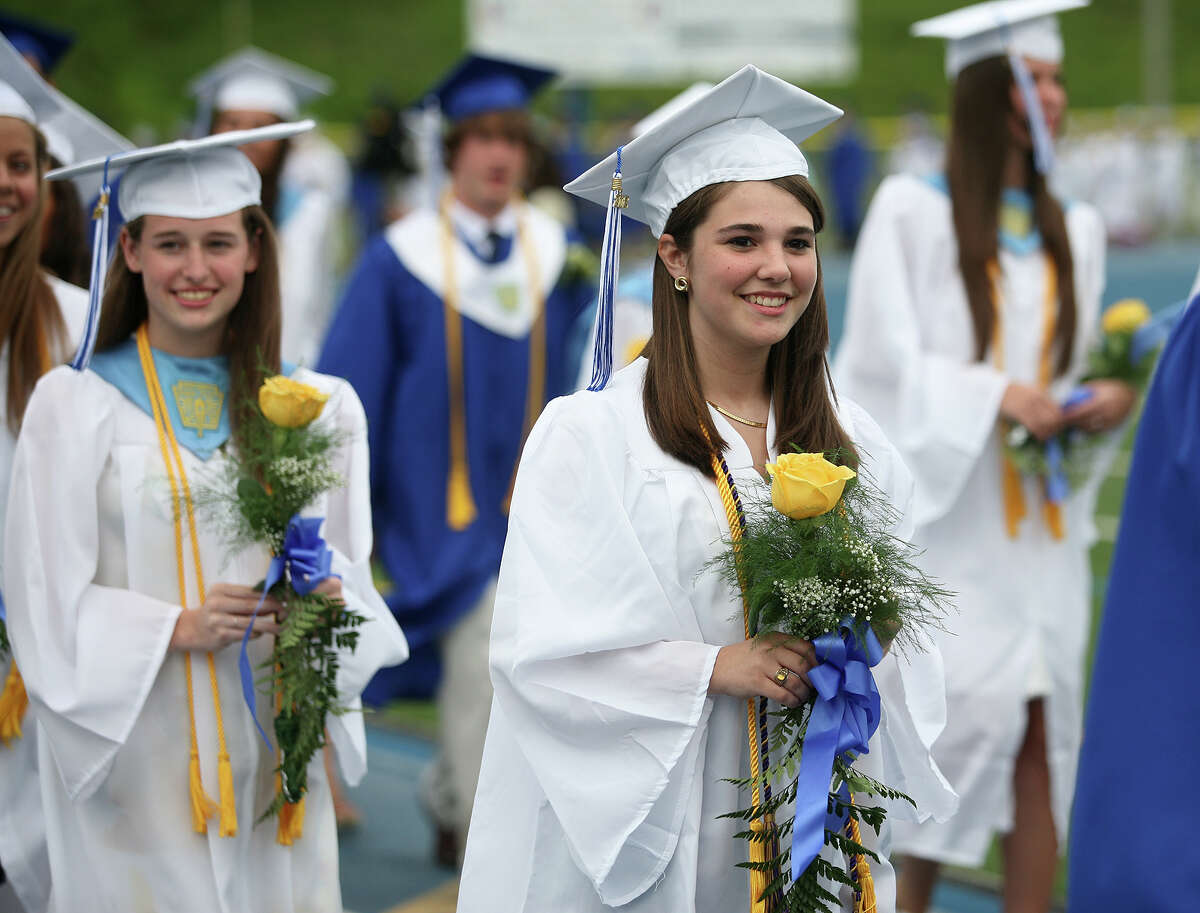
{"x":618,"y":655}
{"x":96,"y":561}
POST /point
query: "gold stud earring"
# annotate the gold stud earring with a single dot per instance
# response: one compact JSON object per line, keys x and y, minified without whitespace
{"x":681,"y":283}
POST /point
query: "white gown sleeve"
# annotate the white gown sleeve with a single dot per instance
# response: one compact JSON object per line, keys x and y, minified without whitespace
{"x":911,"y":682}
{"x":89,"y":654}
{"x":348,"y":533}
{"x":938,"y":410}
{"x":602,"y":674}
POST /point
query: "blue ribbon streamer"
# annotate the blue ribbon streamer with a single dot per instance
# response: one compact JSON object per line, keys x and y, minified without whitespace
{"x":307,"y":560}
{"x":844,"y":717}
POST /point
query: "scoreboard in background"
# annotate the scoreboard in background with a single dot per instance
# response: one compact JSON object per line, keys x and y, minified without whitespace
{"x":671,"y":41}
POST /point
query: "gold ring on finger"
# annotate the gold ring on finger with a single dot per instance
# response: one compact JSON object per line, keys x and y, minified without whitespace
{"x":782,"y":674}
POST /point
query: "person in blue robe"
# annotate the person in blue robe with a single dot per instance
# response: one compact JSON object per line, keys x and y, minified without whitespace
{"x":455,"y":330}
{"x":1134,"y":828}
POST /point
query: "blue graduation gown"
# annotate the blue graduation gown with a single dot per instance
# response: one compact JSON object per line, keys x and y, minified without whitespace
{"x":388,"y":339}
{"x":1133,"y":839}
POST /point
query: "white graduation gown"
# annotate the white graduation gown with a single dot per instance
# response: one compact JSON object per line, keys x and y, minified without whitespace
{"x":605,"y":764}
{"x":314,"y":185}
{"x":22,"y":833}
{"x":93,"y":603}
{"x":1022,"y":604}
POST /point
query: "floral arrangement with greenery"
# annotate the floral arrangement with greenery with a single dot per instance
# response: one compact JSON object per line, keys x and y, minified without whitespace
{"x":821,"y":564}
{"x":282,"y":465}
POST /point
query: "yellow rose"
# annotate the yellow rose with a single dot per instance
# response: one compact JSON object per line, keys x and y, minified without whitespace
{"x":289,"y":403}
{"x":806,"y":484}
{"x":1125,"y":316}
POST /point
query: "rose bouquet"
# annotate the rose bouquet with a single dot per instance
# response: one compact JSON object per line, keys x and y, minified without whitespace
{"x":1065,"y":461}
{"x":283,"y":463}
{"x":820,"y":563}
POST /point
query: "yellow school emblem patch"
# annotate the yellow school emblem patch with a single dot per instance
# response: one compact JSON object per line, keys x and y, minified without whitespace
{"x":509,"y":298}
{"x":199,"y":405}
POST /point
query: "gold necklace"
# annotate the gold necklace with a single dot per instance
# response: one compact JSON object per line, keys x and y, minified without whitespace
{"x":736,"y":418}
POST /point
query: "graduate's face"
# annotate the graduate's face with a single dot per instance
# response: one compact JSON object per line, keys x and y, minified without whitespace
{"x":19,"y":178}
{"x":489,"y":166}
{"x":1051,"y":93}
{"x":265,"y":153}
{"x":193,"y":271}
{"x":751,"y":269}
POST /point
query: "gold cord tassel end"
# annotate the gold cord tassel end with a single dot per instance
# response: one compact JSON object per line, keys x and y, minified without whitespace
{"x":203,"y":807}
{"x":228,"y":803}
{"x":460,"y":503}
{"x":13,"y":702}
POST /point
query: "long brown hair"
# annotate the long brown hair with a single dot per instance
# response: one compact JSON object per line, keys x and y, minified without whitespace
{"x":798,"y":373}
{"x":252,"y":334}
{"x":65,"y":251}
{"x":980,"y":137}
{"x":31,"y":324}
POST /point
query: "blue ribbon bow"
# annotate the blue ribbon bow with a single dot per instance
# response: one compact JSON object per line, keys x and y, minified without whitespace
{"x":844,"y":717}
{"x":308,"y":560}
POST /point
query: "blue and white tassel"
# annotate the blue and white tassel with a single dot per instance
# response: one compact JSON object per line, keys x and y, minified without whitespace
{"x":1043,"y":143}
{"x":87,"y":343}
{"x":610,"y":271}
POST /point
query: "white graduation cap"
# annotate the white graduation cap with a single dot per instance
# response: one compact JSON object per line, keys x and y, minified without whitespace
{"x":23,"y":94}
{"x":70,"y":131}
{"x":1015,"y":29}
{"x":253,"y":80}
{"x":745,"y":129}
{"x":998,"y":27}
{"x":188,"y":179}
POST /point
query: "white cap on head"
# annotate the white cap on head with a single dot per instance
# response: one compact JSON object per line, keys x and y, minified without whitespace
{"x":23,"y":93}
{"x":745,"y":129}
{"x":190,"y":185}
{"x":253,"y":80}
{"x":70,"y":131}
{"x":189,"y":179}
{"x":999,"y":27}
{"x":13,"y":104}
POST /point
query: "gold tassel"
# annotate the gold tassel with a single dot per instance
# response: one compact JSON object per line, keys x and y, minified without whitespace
{"x":1014,"y":499}
{"x":460,"y":504}
{"x":203,"y":807}
{"x":13,"y":702}
{"x":1054,"y":520}
{"x":864,"y":892}
{"x":228,"y":803}
{"x":761,"y":850}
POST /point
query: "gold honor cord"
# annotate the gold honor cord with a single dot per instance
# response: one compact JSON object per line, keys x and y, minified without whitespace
{"x":1014,"y":492}
{"x":461,"y":510}
{"x":764,"y":845}
{"x":203,"y":807}
{"x":14,"y":700}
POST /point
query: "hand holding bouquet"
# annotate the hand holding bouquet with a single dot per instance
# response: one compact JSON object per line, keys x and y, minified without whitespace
{"x":820,"y":564}
{"x":1124,"y":354}
{"x":283,"y":464}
